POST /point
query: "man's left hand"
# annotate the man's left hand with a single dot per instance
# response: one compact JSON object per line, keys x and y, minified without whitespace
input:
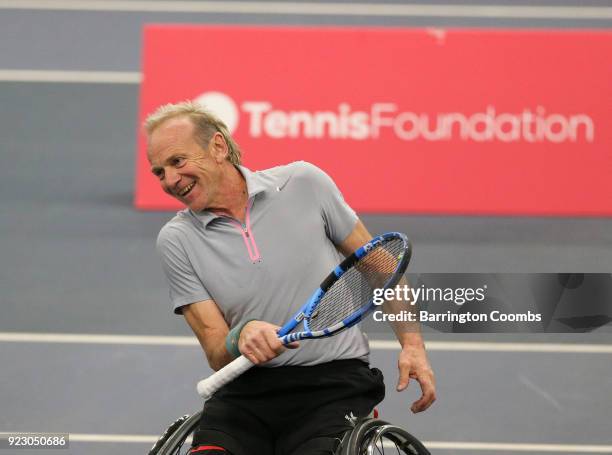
{"x":413,"y":364}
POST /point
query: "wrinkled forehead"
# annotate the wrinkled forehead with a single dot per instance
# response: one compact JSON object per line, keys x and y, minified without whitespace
{"x":174,"y":133}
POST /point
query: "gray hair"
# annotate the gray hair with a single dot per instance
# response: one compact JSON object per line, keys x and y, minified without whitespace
{"x":206,"y":125}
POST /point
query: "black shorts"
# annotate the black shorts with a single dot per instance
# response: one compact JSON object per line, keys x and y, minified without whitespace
{"x":289,"y":410}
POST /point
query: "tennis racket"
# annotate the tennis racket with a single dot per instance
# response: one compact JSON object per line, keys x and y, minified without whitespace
{"x":342,"y":300}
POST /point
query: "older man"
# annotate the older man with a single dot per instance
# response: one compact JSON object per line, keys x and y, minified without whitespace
{"x":243,"y":256}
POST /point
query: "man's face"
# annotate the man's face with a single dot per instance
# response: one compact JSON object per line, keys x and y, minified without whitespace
{"x":185,"y":170}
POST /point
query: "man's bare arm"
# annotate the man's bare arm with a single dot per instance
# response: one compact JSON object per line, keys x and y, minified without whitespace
{"x":258,"y":340}
{"x":412,"y":362}
{"x":210,"y":328}
{"x":358,"y":237}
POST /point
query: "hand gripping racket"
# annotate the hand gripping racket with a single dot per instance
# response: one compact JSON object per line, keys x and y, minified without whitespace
{"x":342,"y":300}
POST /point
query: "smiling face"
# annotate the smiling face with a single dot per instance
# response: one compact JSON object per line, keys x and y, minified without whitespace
{"x":185,"y":170}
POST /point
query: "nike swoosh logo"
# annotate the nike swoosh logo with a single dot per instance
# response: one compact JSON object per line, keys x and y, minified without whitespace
{"x":281,"y":186}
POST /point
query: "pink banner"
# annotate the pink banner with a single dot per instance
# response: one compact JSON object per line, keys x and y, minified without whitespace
{"x":404,"y":120}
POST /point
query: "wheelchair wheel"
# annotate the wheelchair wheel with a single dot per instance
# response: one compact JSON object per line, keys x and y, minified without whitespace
{"x":176,"y":440}
{"x":369,"y":437}
{"x":377,"y":437}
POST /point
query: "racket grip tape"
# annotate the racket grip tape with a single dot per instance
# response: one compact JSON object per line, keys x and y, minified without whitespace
{"x":206,"y":387}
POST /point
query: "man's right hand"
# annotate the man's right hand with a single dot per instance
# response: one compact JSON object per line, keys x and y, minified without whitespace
{"x":259,"y":342}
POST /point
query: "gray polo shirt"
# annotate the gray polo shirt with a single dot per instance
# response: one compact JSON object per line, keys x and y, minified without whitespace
{"x":267,"y":267}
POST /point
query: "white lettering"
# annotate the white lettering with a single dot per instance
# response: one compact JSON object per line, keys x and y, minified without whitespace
{"x":303,"y":120}
{"x":256,"y":109}
{"x":530,"y":126}
{"x":275,"y":124}
{"x":377,"y":120}
{"x":399,"y":126}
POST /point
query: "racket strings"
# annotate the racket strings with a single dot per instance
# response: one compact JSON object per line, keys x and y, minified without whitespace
{"x":355,"y":289}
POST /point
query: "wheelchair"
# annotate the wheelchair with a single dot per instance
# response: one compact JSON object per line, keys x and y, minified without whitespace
{"x":369,"y":436}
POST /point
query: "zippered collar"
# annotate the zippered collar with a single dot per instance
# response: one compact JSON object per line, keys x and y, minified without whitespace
{"x":255,"y":184}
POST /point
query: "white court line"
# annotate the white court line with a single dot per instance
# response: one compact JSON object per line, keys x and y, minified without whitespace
{"x":439,"y":445}
{"x":318,"y":9}
{"x":492,"y":346}
{"x":481,"y":346}
{"x":88,"y":77}
{"x":518,"y":447}
{"x":84,"y":437}
{"x":92,"y":338}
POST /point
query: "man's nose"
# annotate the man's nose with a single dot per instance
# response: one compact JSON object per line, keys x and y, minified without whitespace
{"x":172,"y":177}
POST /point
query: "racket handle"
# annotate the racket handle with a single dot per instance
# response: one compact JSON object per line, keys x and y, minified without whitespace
{"x":208,"y":386}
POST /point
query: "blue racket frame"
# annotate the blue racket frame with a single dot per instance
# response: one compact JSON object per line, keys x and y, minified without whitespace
{"x":307,"y":309}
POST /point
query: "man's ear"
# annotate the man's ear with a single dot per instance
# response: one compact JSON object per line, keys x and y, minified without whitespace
{"x":219,"y":147}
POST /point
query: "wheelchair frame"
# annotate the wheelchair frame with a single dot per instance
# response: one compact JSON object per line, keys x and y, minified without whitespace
{"x":369,"y":436}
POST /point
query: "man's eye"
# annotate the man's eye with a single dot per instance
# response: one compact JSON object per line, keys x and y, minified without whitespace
{"x":179,"y":161}
{"x":159,"y":173}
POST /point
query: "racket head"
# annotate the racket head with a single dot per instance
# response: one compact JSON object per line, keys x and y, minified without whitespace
{"x":347,"y":294}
